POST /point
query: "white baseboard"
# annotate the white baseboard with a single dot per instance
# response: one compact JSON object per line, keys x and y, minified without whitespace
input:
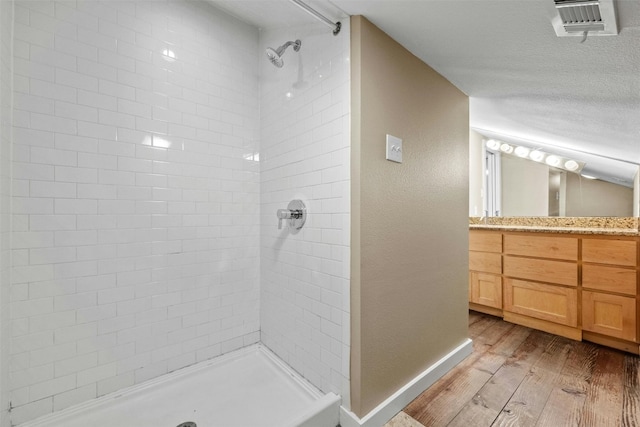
{"x":381,"y":414}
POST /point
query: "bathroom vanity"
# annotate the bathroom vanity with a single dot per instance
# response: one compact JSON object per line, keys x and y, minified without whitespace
{"x":577,"y":278}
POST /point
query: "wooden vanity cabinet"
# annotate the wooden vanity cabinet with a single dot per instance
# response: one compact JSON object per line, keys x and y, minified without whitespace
{"x":540,"y":282}
{"x":609,"y":282}
{"x":579,"y":286}
{"x":485,"y":272}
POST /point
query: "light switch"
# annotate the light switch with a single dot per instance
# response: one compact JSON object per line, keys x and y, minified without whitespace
{"x":394,"y":149}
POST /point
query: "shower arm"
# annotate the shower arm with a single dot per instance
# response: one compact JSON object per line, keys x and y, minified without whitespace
{"x":281,"y":49}
{"x":335,"y":25}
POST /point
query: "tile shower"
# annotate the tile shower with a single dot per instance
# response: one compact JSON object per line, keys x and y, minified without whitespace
{"x":152,"y":144}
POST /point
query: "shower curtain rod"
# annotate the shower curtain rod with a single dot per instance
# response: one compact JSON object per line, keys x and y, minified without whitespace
{"x":335,"y":25}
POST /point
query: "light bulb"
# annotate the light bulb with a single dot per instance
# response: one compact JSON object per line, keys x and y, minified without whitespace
{"x":522,"y":151}
{"x":571,"y":165}
{"x":552,"y":160}
{"x":492,"y":144}
{"x":506,"y":148}
{"x":536,"y":156}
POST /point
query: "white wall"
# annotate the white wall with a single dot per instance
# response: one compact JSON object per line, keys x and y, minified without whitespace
{"x":476,"y":174}
{"x":136,"y":196}
{"x":636,"y":194}
{"x":6,"y":64}
{"x":305,"y":155}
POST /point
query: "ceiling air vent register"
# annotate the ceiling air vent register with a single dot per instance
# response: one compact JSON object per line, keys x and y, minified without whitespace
{"x":577,"y":17}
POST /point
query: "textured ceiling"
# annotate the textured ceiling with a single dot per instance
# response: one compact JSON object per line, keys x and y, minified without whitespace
{"x":525,"y":84}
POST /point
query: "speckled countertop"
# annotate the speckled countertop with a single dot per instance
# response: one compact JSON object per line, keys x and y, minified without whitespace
{"x":628,"y":226}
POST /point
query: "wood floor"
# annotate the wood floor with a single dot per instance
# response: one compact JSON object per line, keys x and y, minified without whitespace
{"x":518,"y":376}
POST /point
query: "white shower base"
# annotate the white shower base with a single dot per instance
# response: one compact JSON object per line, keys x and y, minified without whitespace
{"x":250,"y":387}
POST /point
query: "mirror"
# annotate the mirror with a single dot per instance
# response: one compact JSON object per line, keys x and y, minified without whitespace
{"x":505,"y":184}
{"x":534,"y":189}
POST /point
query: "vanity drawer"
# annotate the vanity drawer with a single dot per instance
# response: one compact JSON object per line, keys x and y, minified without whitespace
{"x":543,"y":270}
{"x":485,"y":241}
{"x":612,"y":279}
{"x":611,"y":315}
{"x":617,"y":252}
{"x":485,"y":262}
{"x":565,"y":248}
{"x":547,"y":302}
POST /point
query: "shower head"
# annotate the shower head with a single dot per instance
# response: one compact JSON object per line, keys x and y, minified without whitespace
{"x":275,"y":55}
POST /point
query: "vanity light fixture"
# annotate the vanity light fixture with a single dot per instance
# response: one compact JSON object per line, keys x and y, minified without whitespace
{"x":536,"y":155}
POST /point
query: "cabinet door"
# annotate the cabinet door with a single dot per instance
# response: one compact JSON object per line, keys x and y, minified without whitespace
{"x":541,"y":301}
{"x":485,"y":289}
{"x":611,"y":315}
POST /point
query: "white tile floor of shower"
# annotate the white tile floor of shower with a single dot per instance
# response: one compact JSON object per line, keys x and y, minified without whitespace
{"x":250,"y":387}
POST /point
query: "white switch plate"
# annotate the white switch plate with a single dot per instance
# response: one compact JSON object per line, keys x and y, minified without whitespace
{"x":394,"y":149}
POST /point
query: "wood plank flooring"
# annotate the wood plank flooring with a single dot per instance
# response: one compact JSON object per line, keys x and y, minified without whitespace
{"x":521,"y":377}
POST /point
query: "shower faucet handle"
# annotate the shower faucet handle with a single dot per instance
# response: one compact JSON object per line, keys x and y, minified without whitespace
{"x":295,"y":214}
{"x":283,"y":214}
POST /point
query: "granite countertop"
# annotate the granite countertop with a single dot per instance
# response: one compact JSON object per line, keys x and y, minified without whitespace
{"x":628,"y":226}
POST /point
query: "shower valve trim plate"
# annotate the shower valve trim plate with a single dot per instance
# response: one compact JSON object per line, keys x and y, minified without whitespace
{"x":295,"y":214}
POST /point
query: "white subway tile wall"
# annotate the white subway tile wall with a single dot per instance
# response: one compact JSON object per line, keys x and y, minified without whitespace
{"x":136,"y":202}
{"x":305,"y":154}
{"x":6,"y":89}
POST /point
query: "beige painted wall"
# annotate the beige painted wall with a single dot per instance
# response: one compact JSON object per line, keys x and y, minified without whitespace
{"x":525,"y":187}
{"x":409,"y":221}
{"x":588,"y":197}
{"x":525,"y":192}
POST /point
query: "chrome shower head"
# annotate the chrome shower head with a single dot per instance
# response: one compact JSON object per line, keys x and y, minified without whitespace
{"x":275,"y":55}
